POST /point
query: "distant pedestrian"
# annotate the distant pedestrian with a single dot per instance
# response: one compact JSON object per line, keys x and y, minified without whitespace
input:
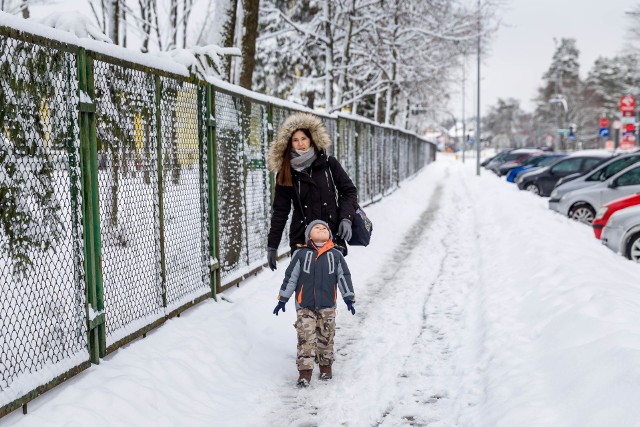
{"x":316,"y":272}
{"x":307,"y":179}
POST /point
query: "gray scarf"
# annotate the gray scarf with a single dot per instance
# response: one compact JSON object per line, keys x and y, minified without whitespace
{"x":300,"y":162}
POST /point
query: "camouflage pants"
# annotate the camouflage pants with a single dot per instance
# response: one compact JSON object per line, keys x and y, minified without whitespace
{"x":316,"y":329}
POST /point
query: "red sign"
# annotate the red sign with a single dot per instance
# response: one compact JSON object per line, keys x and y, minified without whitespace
{"x":630,"y":127}
{"x":628,"y":141}
{"x":628,"y":105}
{"x":604,"y":122}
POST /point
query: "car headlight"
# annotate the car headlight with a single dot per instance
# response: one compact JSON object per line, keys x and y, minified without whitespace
{"x":554,"y":194}
{"x":601,"y":212}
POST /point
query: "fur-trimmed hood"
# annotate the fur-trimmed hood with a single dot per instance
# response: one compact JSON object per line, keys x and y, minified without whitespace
{"x":292,"y":123}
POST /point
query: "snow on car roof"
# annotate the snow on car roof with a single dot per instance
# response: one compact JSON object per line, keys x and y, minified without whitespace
{"x":592,"y":153}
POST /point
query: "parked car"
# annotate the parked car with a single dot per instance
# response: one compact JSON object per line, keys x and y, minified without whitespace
{"x":582,"y":204}
{"x":518,"y":154}
{"x":622,"y":233}
{"x":498,"y":156}
{"x":507,"y":166}
{"x":533,"y":163}
{"x":514,"y":159}
{"x":541,"y":182}
{"x":601,"y":173}
{"x":604,"y":213}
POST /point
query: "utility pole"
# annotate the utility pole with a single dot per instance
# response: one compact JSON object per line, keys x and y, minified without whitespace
{"x":464,"y":124}
{"x":478,"y":142}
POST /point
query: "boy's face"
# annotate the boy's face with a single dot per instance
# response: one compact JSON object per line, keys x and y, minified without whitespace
{"x":319,"y":233}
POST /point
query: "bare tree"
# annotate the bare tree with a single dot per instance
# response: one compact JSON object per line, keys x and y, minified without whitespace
{"x":250,"y":24}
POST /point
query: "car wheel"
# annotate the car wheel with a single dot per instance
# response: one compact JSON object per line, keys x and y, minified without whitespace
{"x":583,"y":213}
{"x":633,"y":248}
{"x":533,"y":189}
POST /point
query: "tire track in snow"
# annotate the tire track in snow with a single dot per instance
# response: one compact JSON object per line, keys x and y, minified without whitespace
{"x":317,"y":404}
{"x":442,"y":377}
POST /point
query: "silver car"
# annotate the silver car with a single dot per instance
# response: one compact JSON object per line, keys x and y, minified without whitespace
{"x":599,"y":174}
{"x":582,"y":204}
{"x":622,"y":233}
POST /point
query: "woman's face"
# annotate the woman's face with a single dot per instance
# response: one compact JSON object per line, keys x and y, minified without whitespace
{"x":300,"y":141}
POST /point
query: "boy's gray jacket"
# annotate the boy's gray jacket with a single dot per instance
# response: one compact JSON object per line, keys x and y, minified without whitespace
{"x":315,"y":276}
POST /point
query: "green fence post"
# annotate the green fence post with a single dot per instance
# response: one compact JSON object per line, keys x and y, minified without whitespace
{"x":270,"y":133}
{"x":245,"y":133}
{"x":212,"y":172}
{"x":356,"y":140}
{"x":91,"y":209}
{"x":163,"y":261}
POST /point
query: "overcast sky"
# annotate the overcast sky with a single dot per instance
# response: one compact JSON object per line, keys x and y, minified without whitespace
{"x":523,"y":47}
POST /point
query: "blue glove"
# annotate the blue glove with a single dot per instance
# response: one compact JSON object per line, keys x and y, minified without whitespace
{"x":279,"y":307}
{"x":350,"y":305}
{"x":344,"y":230}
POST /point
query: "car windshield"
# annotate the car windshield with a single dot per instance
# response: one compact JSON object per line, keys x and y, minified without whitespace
{"x":513,"y":156}
{"x":613,"y":168}
{"x":546,"y":161}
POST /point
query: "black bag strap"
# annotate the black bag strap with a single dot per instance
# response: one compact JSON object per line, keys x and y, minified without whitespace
{"x":297,"y":196}
{"x":335,"y":189}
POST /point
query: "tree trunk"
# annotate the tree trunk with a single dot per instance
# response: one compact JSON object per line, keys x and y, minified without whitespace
{"x":343,"y":82}
{"x":186,"y":12}
{"x":379,"y":107}
{"x":173,"y":18}
{"x":229,"y":32}
{"x":250,"y":24}
{"x":114,"y":21}
{"x":328,"y":88}
{"x":25,"y":9}
{"x":124,"y":27}
{"x":145,"y":13}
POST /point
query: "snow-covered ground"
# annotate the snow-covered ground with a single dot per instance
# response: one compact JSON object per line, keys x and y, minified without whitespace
{"x":476,"y":306}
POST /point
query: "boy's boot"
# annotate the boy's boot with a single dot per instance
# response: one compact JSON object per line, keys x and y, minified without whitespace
{"x":304,"y":378}
{"x":325,"y":372}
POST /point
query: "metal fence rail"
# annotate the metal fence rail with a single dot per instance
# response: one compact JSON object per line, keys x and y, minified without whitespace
{"x":130,"y":194}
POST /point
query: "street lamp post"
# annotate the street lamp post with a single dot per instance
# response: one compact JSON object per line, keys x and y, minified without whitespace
{"x":478,"y":116}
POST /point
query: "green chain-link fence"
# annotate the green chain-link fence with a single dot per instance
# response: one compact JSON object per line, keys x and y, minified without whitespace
{"x":128,"y":194}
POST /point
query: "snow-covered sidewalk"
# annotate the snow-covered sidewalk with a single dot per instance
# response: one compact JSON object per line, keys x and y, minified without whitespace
{"x":476,"y":306}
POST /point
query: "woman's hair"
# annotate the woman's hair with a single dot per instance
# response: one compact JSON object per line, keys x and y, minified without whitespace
{"x":284,"y":174}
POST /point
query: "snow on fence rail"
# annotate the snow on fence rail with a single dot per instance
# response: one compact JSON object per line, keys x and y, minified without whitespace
{"x":130,"y":193}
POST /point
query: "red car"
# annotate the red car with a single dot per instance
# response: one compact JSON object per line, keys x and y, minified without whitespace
{"x":605,"y":212}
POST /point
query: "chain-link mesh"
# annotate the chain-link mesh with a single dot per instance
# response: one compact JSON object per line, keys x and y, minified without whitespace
{"x":347,"y":146}
{"x":128,"y":188}
{"x":42,"y":299}
{"x":257,"y":195}
{"x":231,"y":184}
{"x":184,"y":191}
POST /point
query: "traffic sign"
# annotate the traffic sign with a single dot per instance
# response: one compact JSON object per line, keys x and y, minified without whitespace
{"x":604,"y":122}
{"x":627,"y":105}
{"x":616,"y":124}
{"x":563,"y":132}
{"x":604,"y":132}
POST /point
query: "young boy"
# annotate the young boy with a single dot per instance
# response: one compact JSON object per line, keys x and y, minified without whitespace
{"x":316,"y":271}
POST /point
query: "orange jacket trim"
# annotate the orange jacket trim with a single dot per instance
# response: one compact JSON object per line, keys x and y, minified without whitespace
{"x":325,"y":248}
{"x":300,"y":295}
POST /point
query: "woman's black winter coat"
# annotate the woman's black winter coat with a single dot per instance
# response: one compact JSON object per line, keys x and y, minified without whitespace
{"x":317,"y":200}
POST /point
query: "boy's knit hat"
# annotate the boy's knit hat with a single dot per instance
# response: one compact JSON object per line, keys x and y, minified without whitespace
{"x":307,"y":230}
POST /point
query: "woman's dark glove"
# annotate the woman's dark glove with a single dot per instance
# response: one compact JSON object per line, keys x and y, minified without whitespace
{"x":350,"y":305}
{"x":344,"y":230}
{"x":279,"y":307}
{"x":272,"y":258}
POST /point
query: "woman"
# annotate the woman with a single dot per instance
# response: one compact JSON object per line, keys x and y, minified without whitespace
{"x":307,"y":179}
